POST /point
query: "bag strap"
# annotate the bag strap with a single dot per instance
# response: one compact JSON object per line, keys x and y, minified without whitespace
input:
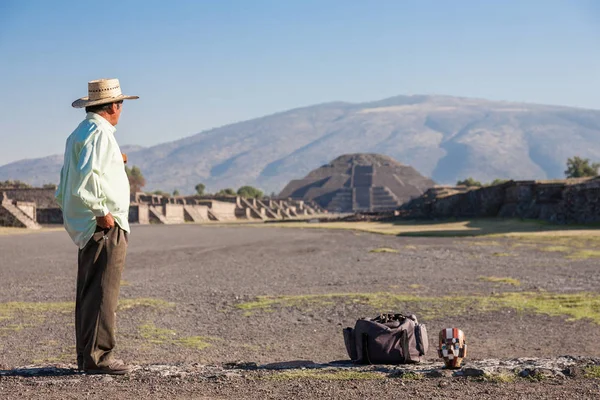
{"x":419,"y":340}
{"x":365,"y":349}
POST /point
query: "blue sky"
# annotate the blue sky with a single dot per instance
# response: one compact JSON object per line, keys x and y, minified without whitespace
{"x":203,"y":64}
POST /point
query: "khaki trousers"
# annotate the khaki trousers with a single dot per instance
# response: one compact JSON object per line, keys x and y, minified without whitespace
{"x":101,"y":263}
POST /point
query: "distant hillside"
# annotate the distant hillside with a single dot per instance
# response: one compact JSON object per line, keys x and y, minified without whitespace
{"x":39,"y":171}
{"x":445,"y":138}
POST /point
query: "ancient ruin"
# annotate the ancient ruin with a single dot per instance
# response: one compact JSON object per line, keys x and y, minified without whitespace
{"x":359,"y":182}
{"x":20,"y":214}
{"x":28,"y":208}
{"x":557,"y":201}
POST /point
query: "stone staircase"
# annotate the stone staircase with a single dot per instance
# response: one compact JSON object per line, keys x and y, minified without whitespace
{"x":212,"y":216}
{"x":383,"y":199}
{"x":156,"y":216}
{"x":11,"y":215}
{"x":361,"y":199}
{"x":362,"y":179}
{"x":192,"y":214}
{"x":285,"y":212}
{"x":268,"y":211}
{"x":341,"y":202}
{"x":254,"y":212}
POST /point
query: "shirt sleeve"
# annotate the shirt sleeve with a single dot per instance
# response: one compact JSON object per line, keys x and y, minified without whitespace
{"x":91,"y":166}
{"x":58,"y":195}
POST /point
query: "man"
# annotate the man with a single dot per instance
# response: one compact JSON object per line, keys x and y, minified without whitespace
{"x":94,"y":196}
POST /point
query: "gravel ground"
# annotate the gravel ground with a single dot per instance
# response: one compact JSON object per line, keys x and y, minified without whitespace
{"x":192,"y":296}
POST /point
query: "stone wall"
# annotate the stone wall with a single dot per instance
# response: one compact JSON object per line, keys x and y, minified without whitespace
{"x":195,"y":213}
{"x":564,"y":201}
{"x":173,"y":213}
{"x":47,"y":216}
{"x":43,"y":198}
{"x":27,"y":207}
{"x":145,"y":209}
{"x":8,"y":219}
{"x":224,"y":211}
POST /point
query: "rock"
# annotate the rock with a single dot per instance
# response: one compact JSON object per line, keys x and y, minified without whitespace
{"x":397,"y":373}
{"x":473,"y":372}
{"x":107,"y":379}
{"x":240,"y":365}
{"x":573,"y":371}
{"x":290,"y":364}
{"x":440,"y":373}
{"x":443,"y":384}
{"x":544,"y":373}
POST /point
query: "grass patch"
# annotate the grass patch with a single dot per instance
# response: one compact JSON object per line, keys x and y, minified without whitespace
{"x":156,"y":335}
{"x":592,"y":371}
{"x":575,"y":306}
{"x":451,"y":228}
{"x":9,"y":310}
{"x":384,"y":250}
{"x":195,"y":342}
{"x":410,"y":247}
{"x":344,"y":375}
{"x":33,"y":310}
{"x":489,"y":243}
{"x":502,"y":254}
{"x":558,"y":249}
{"x":13,"y":328}
{"x":584,"y":254}
{"x":411,"y":376}
{"x":415,"y":286}
{"x":497,"y":279}
{"x":502,"y":377}
{"x":126,"y":304}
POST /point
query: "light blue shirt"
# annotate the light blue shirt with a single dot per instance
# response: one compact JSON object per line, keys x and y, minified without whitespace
{"x":93,"y":181}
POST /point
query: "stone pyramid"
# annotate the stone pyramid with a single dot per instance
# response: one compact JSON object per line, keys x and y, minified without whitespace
{"x":359,"y":182}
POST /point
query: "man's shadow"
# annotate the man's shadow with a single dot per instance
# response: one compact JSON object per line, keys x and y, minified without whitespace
{"x":37,"y":372}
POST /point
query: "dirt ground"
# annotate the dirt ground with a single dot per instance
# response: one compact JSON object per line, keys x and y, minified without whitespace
{"x":206,"y":297}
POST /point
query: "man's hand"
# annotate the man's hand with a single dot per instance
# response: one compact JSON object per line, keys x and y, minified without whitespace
{"x":106,"y":222}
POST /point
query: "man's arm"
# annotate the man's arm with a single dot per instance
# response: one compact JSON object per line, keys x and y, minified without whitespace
{"x":58,"y":195}
{"x":93,"y":157}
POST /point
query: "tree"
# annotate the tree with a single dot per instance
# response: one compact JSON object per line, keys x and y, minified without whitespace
{"x":225,"y":192}
{"x":578,"y":167}
{"x":161,"y":193}
{"x":136,"y":179}
{"x":175,"y":192}
{"x":250,"y":192}
{"x":498,"y":181}
{"x":469,"y":182}
{"x":14,"y":185}
{"x":200,"y":188}
{"x":49,"y":186}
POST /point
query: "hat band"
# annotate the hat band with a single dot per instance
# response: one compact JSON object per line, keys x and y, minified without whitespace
{"x":104,"y":93}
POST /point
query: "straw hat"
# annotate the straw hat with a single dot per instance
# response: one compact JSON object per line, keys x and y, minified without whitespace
{"x":102,"y":91}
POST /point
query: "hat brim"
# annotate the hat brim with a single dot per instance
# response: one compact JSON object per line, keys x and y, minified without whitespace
{"x":86,"y":102}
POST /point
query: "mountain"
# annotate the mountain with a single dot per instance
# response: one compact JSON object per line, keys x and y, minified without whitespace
{"x":39,"y":171}
{"x":445,"y":138}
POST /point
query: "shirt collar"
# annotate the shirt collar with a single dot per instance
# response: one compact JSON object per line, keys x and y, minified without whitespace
{"x":102,"y":121}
